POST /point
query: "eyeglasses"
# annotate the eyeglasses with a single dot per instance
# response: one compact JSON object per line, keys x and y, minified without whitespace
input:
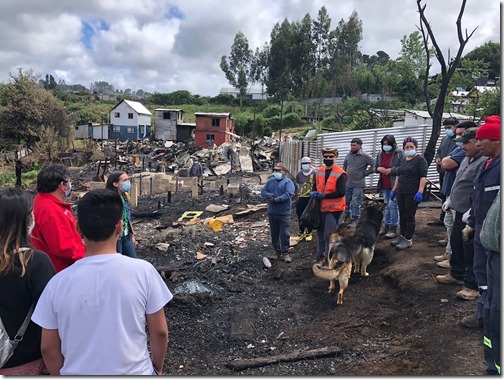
{"x":329,"y":156}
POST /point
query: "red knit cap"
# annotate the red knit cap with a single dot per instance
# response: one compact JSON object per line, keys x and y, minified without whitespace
{"x":490,"y":129}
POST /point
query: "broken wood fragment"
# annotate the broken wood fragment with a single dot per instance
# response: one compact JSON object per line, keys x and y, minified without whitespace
{"x":243,"y":364}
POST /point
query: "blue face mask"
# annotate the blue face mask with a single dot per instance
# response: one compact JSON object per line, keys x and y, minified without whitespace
{"x":387,"y":148}
{"x":67,"y":192}
{"x":278,"y":175}
{"x":126,"y":186}
{"x":449,"y":132}
{"x":409,"y":153}
{"x":458,"y":143}
{"x":305,"y":167}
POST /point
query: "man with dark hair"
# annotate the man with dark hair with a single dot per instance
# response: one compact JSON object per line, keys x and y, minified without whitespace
{"x":357,"y":165}
{"x":93,"y":314}
{"x":450,"y":165}
{"x":461,"y":259}
{"x":486,"y":187}
{"x":55,"y":231}
{"x":446,"y":146}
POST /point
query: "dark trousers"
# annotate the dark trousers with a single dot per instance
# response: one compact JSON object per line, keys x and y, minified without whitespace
{"x":461,"y":259}
{"x":329,"y":223}
{"x":479,"y":268}
{"x":301,"y":204}
{"x":491,"y":314}
{"x":280,"y":232}
{"x":407,"y":212}
{"x":441,"y":195}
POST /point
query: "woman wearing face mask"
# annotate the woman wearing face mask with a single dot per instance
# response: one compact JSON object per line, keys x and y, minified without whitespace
{"x":386,"y":159}
{"x":409,"y":186}
{"x":330,"y":188}
{"x":55,"y":231}
{"x":24,"y":273}
{"x":119,"y":182}
{"x":305,"y":180}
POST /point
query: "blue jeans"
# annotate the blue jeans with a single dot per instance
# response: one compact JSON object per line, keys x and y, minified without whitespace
{"x":353,"y":201}
{"x":280,"y":232}
{"x":391,"y":209}
{"x":125,"y":246}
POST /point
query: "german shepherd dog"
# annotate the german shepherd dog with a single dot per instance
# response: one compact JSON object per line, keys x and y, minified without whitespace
{"x":339,"y":265}
{"x":363,"y":242}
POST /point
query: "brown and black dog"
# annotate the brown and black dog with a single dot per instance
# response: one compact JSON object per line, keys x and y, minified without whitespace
{"x":339,"y":266}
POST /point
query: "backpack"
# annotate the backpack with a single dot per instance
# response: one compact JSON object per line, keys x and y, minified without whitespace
{"x":7,"y":346}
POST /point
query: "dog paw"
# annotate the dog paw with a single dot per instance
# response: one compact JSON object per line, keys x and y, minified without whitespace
{"x":330,"y":290}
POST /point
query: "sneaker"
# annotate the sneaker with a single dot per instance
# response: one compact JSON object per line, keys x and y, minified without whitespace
{"x":287,"y":258}
{"x":301,"y":236}
{"x":467,"y":294}
{"x":443,"y":242}
{"x":405,"y":244}
{"x":308,"y":237}
{"x":398,"y":241}
{"x":472,"y":322}
{"x":392,"y":233}
{"x":448,"y":279}
{"x":442,"y":257}
{"x":274,"y":256}
{"x":384,"y":231}
{"x":437,"y":222}
{"x":444,"y":264}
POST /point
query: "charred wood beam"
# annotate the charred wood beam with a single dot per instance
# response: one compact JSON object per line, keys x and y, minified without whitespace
{"x":243,"y":364}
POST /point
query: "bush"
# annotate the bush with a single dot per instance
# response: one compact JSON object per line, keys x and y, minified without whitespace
{"x":292,"y":120}
{"x":272,"y":111}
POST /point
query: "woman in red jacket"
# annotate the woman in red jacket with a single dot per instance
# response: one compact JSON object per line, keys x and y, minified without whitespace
{"x":55,"y":231}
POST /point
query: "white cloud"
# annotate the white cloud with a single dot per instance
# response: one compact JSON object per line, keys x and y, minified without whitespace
{"x":145,"y":47}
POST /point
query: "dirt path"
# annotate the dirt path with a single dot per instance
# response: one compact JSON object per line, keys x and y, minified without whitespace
{"x":397,"y":321}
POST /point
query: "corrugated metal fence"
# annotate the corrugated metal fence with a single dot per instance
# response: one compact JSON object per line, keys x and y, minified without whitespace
{"x":292,"y":152}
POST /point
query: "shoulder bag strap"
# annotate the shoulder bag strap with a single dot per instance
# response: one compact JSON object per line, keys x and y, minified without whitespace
{"x":20,"y":333}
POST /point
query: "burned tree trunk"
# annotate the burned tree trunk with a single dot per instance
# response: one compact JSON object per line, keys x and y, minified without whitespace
{"x":447,"y":71}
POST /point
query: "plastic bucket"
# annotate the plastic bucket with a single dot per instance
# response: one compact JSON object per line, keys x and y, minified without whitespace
{"x":213,"y":224}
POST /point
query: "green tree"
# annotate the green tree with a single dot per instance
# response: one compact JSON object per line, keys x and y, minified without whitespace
{"x":32,"y":112}
{"x":259,"y":66}
{"x":345,"y":54}
{"x":280,"y":75}
{"x":238,"y":70}
{"x":489,"y":53}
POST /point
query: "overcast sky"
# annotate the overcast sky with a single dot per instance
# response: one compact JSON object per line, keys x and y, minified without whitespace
{"x":164,"y":46}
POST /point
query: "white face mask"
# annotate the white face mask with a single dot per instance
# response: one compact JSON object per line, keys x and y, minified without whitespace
{"x":31,"y":226}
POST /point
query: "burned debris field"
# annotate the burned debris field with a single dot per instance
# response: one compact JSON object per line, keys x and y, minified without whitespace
{"x":231,"y":315}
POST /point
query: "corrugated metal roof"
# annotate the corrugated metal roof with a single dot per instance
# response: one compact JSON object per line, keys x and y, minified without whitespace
{"x":138,"y":107}
{"x":425,"y":114}
{"x":205,"y":114}
{"x":292,"y":152}
{"x":168,"y":110}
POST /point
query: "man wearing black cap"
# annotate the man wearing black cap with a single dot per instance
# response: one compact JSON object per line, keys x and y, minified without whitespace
{"x":461,"y":259}
{"x":445,"y":147}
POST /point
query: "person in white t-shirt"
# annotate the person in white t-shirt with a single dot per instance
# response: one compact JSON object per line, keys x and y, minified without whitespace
{"x":93,"y":313}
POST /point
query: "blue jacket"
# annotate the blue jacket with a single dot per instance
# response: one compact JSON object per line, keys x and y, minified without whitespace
{"x":282,"y":190}
{"x":486,"y":186}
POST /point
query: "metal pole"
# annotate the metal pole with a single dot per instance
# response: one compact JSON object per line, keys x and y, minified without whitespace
{"x":281,"y":126}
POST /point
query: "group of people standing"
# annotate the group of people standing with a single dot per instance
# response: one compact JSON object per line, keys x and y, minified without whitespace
{"x":88,"y":304}
{"x":402,"y":179}
{"x":470,"y":187}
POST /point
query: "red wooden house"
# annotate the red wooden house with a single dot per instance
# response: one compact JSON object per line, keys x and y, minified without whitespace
{"x":213,"y":128}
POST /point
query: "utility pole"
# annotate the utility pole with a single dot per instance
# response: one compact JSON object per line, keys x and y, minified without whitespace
{"x":281,"y":127}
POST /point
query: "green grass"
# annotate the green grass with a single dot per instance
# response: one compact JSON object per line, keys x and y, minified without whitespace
{"x":8,"y":178}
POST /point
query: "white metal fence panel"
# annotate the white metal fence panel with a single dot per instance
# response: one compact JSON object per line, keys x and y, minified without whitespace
{"x":292,"y":152}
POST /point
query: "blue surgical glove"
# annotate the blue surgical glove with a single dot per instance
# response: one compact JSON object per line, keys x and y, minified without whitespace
{"x":314,"y":194}
{"x":392,"y":195}
{"x":418,"y":197}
